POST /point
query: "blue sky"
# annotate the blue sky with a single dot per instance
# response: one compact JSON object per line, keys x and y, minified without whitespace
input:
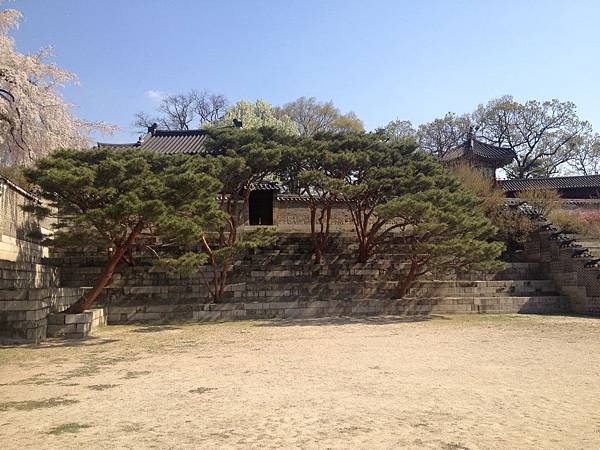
{"x":383,"y":59}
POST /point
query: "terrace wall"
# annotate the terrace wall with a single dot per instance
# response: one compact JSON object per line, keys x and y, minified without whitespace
{"x":29,"y":288}
{"x":291,"y":213}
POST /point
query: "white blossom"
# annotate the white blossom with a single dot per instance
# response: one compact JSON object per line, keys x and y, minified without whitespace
{"x":34,"y":117}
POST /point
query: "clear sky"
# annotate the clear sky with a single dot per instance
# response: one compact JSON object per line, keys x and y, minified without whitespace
{"x":383,"y":59}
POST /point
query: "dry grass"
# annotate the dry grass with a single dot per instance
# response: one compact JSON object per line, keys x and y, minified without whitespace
{"x":460,"y":382}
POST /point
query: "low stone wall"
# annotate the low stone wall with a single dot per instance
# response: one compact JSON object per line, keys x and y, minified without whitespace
{"x":24,"y":312}
{"x":297,"y":309}
{"x":291,"y":213}
{"x":75,"y":326}
{"x":26,"y":275}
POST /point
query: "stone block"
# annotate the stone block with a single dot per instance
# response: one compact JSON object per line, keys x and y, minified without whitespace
{"x":83,"y":327}
{"x":84,"y":317}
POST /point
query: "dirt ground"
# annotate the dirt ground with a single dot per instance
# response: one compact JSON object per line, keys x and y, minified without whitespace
{"x":446,"y":382}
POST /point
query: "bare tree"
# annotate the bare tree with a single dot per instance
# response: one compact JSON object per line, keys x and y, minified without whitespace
{"x":178,"y":111}
{"x":398,"y":131}
{"x":312,"y":116}
{"x":544,"y":135}
{"x":208,"y":106}
{"x":444,"y":134}
{"x":586,"y":159}
{"x":181,"y":111}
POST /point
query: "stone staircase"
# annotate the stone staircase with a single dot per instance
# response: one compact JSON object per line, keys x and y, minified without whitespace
{"x":573,"y":263}
{"x":282,"y":281}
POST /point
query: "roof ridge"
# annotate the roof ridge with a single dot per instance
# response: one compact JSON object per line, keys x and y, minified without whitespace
{"x":196,"y":132}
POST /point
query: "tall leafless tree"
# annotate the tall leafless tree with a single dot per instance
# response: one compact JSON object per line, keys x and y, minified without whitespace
{"x":443,"y":134}
{"x":184,"y":111}
{"x":544,"y":135}
{"x":312,"y":116}
{"x":586,"y":160}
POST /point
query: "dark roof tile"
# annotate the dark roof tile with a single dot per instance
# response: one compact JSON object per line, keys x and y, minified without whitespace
{"x":175,"y":142}
{"x":168,"y":142}
{"x":574,"y":182}
{"x":501,"y":155}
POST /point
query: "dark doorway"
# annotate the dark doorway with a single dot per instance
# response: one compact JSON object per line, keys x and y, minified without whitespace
{"x":260,"y":206}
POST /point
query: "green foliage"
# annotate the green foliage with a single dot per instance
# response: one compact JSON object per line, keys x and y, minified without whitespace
{"x":376,"y":172}
{"x":444,"y":230}
{"x":14,"y":173}
{"x":512,"y":227}
{"x":391,"y":188}
{"x":100,"y":195}
{"x":72,"y":427}
{"x":238,"y":159}
{"x":110,"y":198}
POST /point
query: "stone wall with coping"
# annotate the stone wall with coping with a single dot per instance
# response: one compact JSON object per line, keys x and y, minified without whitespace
{"x":294,"y":215}
{"x":75,"y":326}
{"x":300,"y":309}
{"x":30,"y":289}
{"x":24,"y":312}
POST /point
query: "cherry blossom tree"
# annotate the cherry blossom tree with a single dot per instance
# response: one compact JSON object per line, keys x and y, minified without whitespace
{"x":34,"y":117}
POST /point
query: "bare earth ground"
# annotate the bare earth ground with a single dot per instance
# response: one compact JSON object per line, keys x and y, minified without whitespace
{"x":446,"y":382}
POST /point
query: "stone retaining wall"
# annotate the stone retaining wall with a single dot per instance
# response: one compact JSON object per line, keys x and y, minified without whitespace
{"x":75,"y":326}
{"x":353,"y":308}
{"x":24,"y":312}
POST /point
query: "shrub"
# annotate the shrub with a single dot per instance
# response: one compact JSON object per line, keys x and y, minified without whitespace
{"x":543,"y":200}
{"x":586,"y":222}
{"x":567,"y":221}
{"x":513,"y":228}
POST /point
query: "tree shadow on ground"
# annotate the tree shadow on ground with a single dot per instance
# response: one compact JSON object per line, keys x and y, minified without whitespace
{"x":347,"y":320}
{"x":155,"y":328}
{"x":90,"y":341}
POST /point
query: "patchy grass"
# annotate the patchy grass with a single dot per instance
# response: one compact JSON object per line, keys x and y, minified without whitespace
{"x":135,"y":374}
{"x":29,"y":405}
{"x":384,"y":382}
{"x":102,"y":387}
{"x":201,"y":390}
{"x":132,"y":427}
{"x":68,"y":428}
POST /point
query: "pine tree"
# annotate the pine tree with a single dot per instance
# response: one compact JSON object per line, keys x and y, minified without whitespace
{"x":110,"y":198}
{"x":444,"y":230}
{"x":238,"y":159}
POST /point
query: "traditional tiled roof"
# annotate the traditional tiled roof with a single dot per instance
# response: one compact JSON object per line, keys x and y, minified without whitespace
{"x":490,"y":153}
{"x":168,"y":142}
{"x":6,"y":182}
{"x":106,"y":144}
{"x":293,"y":198}
{"x":175,"y":142}
{"x":265,"y":186}
{"x":302,"y":198}
{"x":575,"y":182}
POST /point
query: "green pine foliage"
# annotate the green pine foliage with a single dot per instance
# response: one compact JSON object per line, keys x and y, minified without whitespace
{"x":444,"y":231}
{"x":112,"y":198}
{"x":214,"y":239}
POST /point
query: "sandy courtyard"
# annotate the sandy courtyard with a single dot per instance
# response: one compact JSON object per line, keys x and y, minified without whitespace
{"x":448,"y":382}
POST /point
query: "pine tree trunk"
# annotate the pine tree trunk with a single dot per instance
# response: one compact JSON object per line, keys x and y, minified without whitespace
{"x":88,"y":300}
{"x":363,"y":252}
{"x":318,"y":255}
{"x":408,"y":280}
